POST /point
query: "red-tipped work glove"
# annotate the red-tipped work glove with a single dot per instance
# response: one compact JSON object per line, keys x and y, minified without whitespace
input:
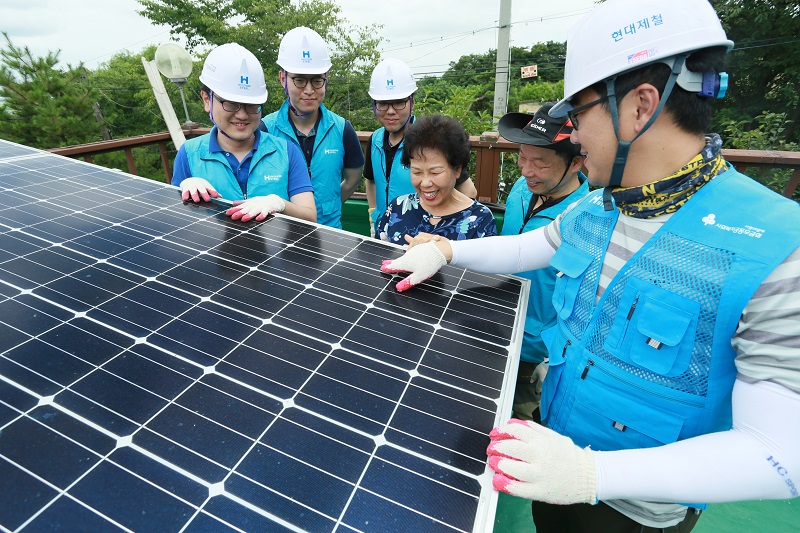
{"x":423,"y":261}
{"x":257,"y":208}
{"x":534,"y":462}
{"x":196,"y":188}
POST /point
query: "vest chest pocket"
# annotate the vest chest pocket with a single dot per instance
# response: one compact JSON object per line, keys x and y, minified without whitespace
{"x":572,"y":265}
{"x":653,"y":329}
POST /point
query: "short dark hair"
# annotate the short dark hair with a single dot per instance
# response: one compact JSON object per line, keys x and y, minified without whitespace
{"x":437,"y":132}
{"x":691,"y":113}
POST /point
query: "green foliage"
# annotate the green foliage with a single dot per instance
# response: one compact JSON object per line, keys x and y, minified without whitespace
{"x":456,"y":101}
{"x":479,"y":69}
{"x":765,"y":64}
{"x":130,"y":108}
{"x":537,"y":91}
{"x":41,"y":105}
{"x":766,"y":132}
{"x":259,"y":25}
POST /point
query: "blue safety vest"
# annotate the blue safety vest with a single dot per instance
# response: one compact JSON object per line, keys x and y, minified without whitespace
{"x":327,"y":160}
{"x":399,"y":182}
{"x":269,"y":167}
{"x":651,"y":362}
{"x":540,"y":314}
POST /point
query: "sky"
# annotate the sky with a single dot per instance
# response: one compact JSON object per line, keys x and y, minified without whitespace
{"x":425,"y":34}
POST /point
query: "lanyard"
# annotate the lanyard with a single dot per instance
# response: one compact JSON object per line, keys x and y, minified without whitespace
{"x":532,"y":209}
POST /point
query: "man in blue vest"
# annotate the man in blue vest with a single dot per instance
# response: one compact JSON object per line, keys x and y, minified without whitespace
{"x":392,"y":87}
{"x":551,"y":180}
{"x":235,"y":161}
{"x":674,"y":376}
{"x":328,"y":142}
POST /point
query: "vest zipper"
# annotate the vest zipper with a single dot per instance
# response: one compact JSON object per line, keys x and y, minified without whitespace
{"x":564,"y":351}
{"x":656,"y":391}
{"x":586,"y":370}
{"x":633,"y":308}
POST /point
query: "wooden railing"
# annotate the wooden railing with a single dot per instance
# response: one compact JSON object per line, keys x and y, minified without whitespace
{"x":89,"y":150}
{"x":488,"y":149}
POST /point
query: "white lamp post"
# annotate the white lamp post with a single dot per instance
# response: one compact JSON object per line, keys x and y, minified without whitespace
{"x":175,"y":64}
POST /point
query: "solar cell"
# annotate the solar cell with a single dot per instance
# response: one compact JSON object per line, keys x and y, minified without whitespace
{"x":163,"y":368}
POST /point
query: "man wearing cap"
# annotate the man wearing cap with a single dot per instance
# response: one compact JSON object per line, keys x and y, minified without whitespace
{"x":392,"y":87}
{"x":674,"y":376}
{"x":235,"y":161}
{"x":329,"y":143}
{"x":551,"y":180}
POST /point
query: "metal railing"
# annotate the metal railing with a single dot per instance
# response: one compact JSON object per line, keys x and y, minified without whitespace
{"x":488,"y":149}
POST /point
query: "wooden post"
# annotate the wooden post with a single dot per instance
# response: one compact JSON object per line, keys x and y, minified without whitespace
{"x":162,"y":148}
{"x":131,"y":164}
{"x":487,"y":167}
{"x":791,"y":185}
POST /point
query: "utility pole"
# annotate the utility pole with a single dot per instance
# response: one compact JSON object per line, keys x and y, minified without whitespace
{"x":101,"y":121}
{"x":503,"y":66}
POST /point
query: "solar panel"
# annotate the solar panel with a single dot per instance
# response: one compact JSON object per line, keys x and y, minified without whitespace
{"x":163,"y":368}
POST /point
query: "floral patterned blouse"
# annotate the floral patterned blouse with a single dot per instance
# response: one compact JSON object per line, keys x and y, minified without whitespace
{"x":405,"y":216}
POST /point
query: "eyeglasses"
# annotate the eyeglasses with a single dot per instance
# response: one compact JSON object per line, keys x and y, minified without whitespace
{"x":397,"y":105}
{"x":573,"y":113}
{"x":234,"y":107}
{"x":300,"y":82}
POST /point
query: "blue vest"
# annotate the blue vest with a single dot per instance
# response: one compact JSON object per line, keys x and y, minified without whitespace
{"x":540,"y":312}
{"x":327,"y":160}
{"x":651,"y":362}
{"x":399,"y":182}
{"x":269,"y":168}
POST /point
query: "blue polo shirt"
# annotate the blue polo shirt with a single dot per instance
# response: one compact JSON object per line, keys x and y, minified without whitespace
{"x":298,"y":174}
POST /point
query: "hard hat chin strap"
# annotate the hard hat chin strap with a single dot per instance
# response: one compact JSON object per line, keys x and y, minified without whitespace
{"x":624,"y":147}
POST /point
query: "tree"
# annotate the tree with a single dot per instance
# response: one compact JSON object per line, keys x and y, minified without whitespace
{"x":259,"y":25}
{"x":765,"y":64}
{"x":41,"y":105}
{"x":479,"y":69}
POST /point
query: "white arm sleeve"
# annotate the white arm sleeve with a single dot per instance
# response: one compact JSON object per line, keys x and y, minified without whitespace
{"x":759,"y":458}
{"x":504,"y":254}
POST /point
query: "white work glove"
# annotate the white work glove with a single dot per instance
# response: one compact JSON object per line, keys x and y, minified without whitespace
{"x":539,"y":373}
{"x":196,"y":188}
{"x":371,"y":222}
{"x":257,"y":208}
{"x":423,"y":261}
{"x":534,"y":462}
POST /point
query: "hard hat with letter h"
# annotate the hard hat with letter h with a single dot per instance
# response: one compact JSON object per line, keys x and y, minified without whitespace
{"x":303,"y":51}
{"x":391,"y":80}
{"x":233,"y":73}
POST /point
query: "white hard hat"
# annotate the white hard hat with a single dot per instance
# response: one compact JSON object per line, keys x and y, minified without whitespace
{"x":391,"y":80}
{"x":621,"y":35}
{"x":234,"y":73}
{"x":303,"y":51}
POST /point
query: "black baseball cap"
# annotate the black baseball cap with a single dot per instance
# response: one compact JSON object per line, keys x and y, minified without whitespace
{"x":539,"y":129}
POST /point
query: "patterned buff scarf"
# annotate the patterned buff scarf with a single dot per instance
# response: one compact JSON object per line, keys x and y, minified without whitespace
{"x":667,"y":195}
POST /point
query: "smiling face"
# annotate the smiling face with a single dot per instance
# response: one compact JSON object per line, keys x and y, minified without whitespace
{"x":238,"y":125}
{"x":393,"y":119}
{"x":433,"y":178}
{"x":595,"y":133}
{"x":542,"y":168}
{"x":304,"y":99}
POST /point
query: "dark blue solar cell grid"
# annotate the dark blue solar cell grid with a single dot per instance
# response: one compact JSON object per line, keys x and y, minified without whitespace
{"x":164,"y":368}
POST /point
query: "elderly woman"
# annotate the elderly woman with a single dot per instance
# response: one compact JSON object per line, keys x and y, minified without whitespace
{"x":436,"y":149}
